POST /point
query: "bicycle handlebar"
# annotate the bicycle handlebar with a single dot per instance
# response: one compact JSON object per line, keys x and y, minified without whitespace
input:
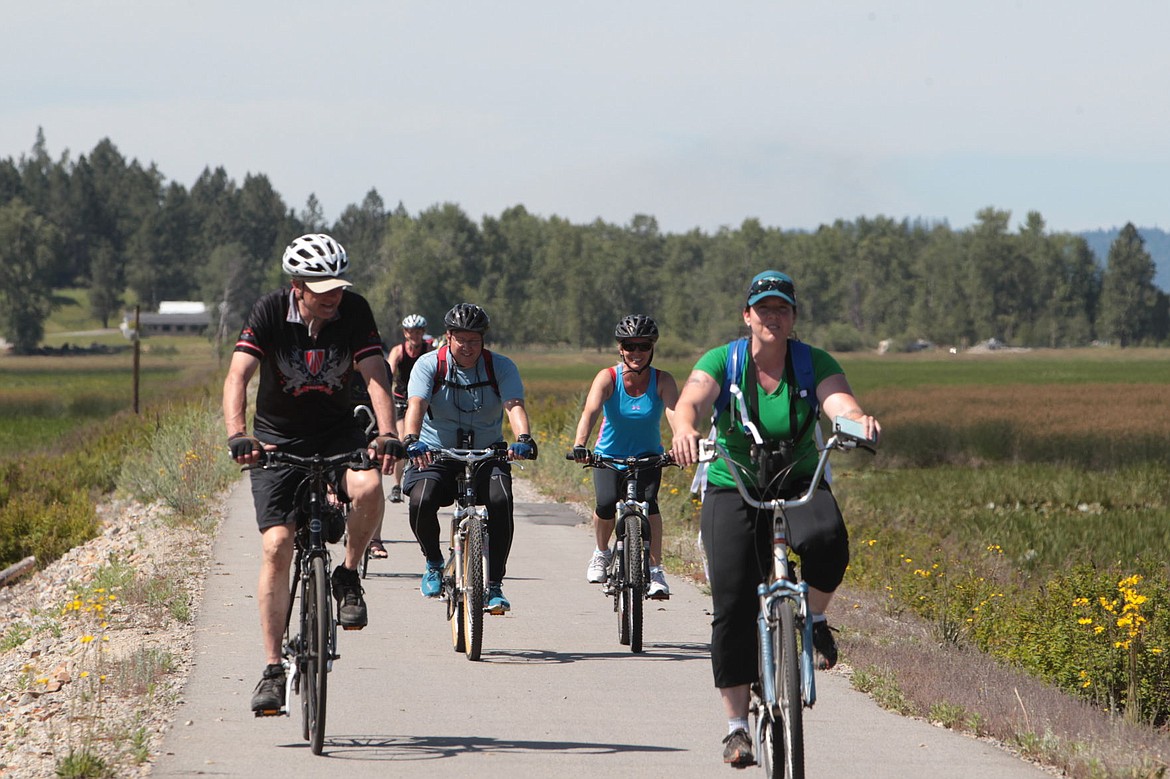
{"x":372,"y":425}
{"x":357,"y":460}
{"x":845,"y":436}
{"x":641,"y":463}
{"x":497,"y":451}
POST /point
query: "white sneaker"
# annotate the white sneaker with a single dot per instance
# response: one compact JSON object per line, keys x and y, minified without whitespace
{"x":597,"y":573}
{"x":658,"y":587}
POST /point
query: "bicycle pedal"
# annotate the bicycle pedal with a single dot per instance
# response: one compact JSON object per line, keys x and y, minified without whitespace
{"x":352,"y":627}
{"x":659,"y":596}
{"x":270,"y":712}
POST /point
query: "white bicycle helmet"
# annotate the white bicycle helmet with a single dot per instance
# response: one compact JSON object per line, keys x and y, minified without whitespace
{"x":317,"y":259}
{"x":413,"y":321}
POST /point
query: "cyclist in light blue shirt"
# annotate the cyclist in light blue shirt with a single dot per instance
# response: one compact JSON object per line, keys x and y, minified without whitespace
{"x":457,"y":398}
{"x":632,"y":397}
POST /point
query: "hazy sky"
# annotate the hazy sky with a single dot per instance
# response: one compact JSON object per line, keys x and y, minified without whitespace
{"x":699,"y":113}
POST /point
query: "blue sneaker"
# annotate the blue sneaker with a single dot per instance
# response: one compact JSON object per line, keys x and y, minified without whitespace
{"x":497,"y":603}
{"x":432,"y":579}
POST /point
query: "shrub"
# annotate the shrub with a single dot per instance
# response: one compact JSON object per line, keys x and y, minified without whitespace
{"x":184,"y":463}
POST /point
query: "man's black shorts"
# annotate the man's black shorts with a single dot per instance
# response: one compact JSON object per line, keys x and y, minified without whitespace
{"x":274,"y":489}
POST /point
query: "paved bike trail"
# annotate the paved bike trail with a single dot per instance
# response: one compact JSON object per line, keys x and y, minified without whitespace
{"x":555,"y":694}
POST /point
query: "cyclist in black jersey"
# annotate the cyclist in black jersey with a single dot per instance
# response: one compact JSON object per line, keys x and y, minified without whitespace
{"x":306,"y":341}
{"x":400,"y":361}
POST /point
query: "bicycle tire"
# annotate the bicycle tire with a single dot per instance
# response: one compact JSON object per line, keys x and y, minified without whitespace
{"x":788,"y":751}
{"x":473,"y":588}
{"x":458,"y":634}
{"x":635,"y":579}
{"x":621,"y":601}
{"x":316,"y":657}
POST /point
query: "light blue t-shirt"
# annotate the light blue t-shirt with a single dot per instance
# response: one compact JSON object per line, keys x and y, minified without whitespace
{"x":631,"y":425}
{"x":472,"y":406}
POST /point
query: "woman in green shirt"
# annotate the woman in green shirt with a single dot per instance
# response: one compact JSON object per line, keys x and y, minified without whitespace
{"x":737,"y":538}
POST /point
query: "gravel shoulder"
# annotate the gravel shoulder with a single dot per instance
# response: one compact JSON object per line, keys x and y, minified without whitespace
{"x":100,"y":668}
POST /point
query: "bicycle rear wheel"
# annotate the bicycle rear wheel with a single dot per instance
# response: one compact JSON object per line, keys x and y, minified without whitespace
{"x":473,"y":588}
{"x":785,"y":757}
{"x":635,"y":580}
{"x":315,"y":625}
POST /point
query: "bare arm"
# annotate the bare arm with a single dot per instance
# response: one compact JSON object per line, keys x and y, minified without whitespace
{"x":599,"y":391}
{"x":378,"y":385}
{"x":393,"y":359}
{"x":837,"y":400}
{"x":517,"y":417}
{"x":235,"y":397}
{"x":416,"y":408}
{"x":668,"y":391}
{"x":694,"y":403}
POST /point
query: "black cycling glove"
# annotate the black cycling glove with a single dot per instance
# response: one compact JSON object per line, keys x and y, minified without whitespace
{"x":388,"y":444}
{"x":242,"y":445}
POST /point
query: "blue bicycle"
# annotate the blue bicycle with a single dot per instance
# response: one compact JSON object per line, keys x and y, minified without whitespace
{"x":787,"y":685}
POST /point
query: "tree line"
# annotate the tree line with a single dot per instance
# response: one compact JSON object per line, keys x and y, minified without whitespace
{"x":125,"y":232}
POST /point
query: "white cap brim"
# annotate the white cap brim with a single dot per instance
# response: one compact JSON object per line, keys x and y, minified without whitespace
{"x":321,"y":286}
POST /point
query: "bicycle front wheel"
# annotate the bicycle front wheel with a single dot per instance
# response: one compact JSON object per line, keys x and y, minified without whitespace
{"x":787,"y":754}
{"x":635,"y":580}
{"x":473,"y":588}
{"x":315,"y":625}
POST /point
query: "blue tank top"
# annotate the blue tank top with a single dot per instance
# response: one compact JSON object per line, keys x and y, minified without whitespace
{"x":630,"y":425}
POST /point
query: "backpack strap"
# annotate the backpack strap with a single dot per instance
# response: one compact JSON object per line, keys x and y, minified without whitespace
{"x":736,"y":357}
{"x":806,"y":377}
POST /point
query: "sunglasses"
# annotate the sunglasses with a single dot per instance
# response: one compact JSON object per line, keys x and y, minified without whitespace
{"x":773,"y":284}
{"x":636,"y":346}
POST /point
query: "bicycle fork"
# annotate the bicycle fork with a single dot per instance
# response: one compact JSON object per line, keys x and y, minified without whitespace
{"x":618,"y":561}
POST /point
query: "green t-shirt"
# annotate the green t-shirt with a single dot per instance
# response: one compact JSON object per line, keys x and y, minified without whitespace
{"x":774,"y":422}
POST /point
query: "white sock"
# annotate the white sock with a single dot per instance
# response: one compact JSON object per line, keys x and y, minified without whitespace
{"x":819,"y":618}
{"x":736,"y":723}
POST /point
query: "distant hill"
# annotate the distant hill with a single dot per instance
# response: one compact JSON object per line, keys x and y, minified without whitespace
{"x":1157,"y":244}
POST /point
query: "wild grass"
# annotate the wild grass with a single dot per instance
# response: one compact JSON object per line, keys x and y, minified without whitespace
{"x":68,"y":427}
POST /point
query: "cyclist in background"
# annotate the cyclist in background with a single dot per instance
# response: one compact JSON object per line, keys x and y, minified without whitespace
{"x":400,"y":361}
{"x":737,"y":539}
{"x":306,"y":341}
{"x":631,"y":397}
{"x":463,"y":407}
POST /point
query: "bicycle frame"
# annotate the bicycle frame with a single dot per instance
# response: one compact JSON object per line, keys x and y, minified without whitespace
{"x":627,"y":589}
{"x":466,"y":599}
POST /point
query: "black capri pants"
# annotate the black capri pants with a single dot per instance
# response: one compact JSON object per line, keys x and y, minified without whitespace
{"x":737,"y":540}
{"x":609,"y":486}
{"x":433,"y":487}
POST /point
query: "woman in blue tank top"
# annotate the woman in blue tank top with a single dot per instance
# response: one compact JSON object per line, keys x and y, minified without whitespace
{"x":631,"y":397}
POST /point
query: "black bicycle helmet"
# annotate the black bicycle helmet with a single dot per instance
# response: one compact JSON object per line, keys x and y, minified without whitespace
{"x":467,"y":316}
{"x":636,"y":326}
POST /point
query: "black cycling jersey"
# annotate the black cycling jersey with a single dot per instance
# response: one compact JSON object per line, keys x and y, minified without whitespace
{"x":305,"y":383}
{"x":405,"y":364}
